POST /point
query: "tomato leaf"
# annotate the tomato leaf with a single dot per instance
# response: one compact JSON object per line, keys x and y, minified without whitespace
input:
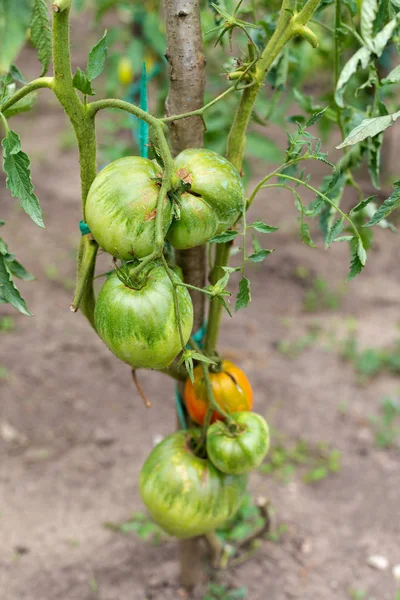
{"x":14,"y":21}
{"x":41,"y":33}
{"x":369,"y":10}
{"x":336,"y":228}
{"x":244,"y":297}
{"x":262,"y":227}
{"x":369,"y":128}
{"x":356,"y":265}
{"x":8,"y":291}
{"x":305,"y":235}
{"x":226,"y":236}
{"x":81,"y":82}
{"x":362,"y":204}
{"x":260,"y":255}
{"x":387,"y":207}
{"x":97,"y":58}
{"x":16,"y":166}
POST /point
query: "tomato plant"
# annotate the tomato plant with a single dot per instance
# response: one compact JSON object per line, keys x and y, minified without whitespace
{"x":231,"y":388}
{"x":239,"y":447}
{"x":155,"y":216}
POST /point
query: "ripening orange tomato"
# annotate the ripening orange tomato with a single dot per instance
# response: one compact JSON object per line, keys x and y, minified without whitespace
{"x":232,"y":392}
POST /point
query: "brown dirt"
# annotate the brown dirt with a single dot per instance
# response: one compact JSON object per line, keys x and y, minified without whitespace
{"x":85,"y":432}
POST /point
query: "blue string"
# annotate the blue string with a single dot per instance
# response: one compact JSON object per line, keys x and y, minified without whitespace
{"x":143,"y":126}
{"x":198,"y":337}
{"x":84,"y":227}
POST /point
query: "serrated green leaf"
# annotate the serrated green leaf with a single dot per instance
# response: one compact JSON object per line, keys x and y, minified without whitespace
{"x":260,"y":255}
{"x":17,"y":269}
{"x":387,"y":207}
{"x":393,"y":77}
{"x":369,"y":10}
{"x":362,"y":255}
{"x":344,"y":238}
{"x":14,"y":21}
{"x":334,"y":231}
{"x":8,"y":291}
{"x":356,"y":265}
{"x":262,"y":227}
{"x":362,"y":204}
{"x":374,"y":159}
{"x":382,"y":38}
{"x":97,"y":58}
{"x":305,"y":235}
{"x":360,"y":58}
{"x":369,"y":128}
{"x":16,"y":74}
{"x":316,"y":117}
{"x":16,"y":166}
{"x":222,"y":238}
{"x":82,"y":83}
{"x":41,"y":33}
{"x":244,"y":296}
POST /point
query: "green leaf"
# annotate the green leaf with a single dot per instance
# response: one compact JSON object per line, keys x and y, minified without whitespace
{"x":244,"y":297}
{"x":16,"y":165}
{"x":305,"y":235}
{"x":393,"y":77}
{"x":41,"y":33}
{"x":97,"y":58}
{"x":362,"y":204}
{"x":356,"y":266}
{"x":362,"y":255}
{"x":360,"y":58}
{"x":82,"y":83}
{"x":344,"y":238}
{"x":374,"y":146}
{"x":352,"y":6}
{"x":369,"y":10}
{"x":336,"y":228}
{"x":14,"y":21}
{"x":316,"y":117}
{"x":8,"y":291}
{"x":369,"y":128}
{"x":16,"y":74}
{"x":262,"y":227}
{"x":387,"y":207}
{"x":260,"y":255}
{"x":222,"y":238}
{"x":384,"y":36}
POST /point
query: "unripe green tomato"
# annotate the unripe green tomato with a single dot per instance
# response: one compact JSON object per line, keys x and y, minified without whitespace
{"x":218,"y":188}
{"x":139,"y":325}
{"x":238,"y":452}
{"x":198,"y":223}
{"x":185,"y":494}
{"x":121,"y":207}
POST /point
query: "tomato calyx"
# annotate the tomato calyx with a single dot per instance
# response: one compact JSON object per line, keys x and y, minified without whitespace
{"x":124,"y":275}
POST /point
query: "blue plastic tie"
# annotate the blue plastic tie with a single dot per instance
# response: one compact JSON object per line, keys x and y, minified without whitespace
{"x":84,"y":227}
{"x":143,"y":126}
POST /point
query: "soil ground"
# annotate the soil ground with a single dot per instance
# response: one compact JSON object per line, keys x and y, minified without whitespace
{"x":75,"y":432}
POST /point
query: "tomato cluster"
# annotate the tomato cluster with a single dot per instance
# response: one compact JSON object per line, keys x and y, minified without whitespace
{"x":192,"y":488}
{"x":137,"y":318}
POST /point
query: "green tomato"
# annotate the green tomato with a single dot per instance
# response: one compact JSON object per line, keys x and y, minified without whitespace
{"x":121,"y":207}
{"x":185,"y":494}
{"x":238,"y":451}
{"x":139,"y":325}
{"x":197,"y":224}
{"x":215,"y":201}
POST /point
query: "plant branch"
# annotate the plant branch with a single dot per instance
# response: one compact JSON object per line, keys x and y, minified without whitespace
{"x":36,"y":84}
